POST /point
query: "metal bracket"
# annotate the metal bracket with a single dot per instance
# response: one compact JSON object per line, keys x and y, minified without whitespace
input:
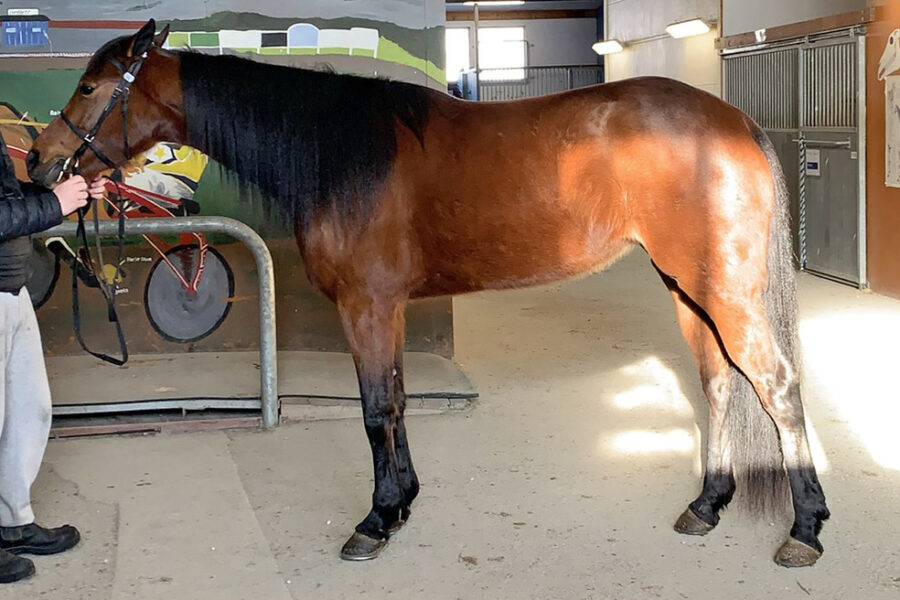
{"x":827,"y":143}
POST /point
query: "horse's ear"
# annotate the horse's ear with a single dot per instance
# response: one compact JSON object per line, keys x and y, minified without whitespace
{"x":143,"y":39}
{"x":160,"y":37}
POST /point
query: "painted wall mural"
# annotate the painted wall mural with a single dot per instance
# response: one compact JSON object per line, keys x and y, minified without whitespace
{"x":400,"y":32}
{"x":51,"y":40}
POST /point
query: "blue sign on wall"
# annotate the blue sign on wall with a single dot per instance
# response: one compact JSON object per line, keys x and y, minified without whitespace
{"x":25,"y":30}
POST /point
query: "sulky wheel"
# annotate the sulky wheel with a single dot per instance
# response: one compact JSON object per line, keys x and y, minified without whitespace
{"x":174,"y":312}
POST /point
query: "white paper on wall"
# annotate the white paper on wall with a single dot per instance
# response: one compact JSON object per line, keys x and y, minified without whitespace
{"x":887,"y":64}
{"x":892,"y":131}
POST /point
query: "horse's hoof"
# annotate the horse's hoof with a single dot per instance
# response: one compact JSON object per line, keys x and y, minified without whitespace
{"x":794,"y":553}
{"x":690,"y":524}
{"x":362,"y":547}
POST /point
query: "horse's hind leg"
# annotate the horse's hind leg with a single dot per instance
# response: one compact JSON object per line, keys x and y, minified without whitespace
{"x":715,"y":373}
{"x":752,"y":344}
{"x":760,"y":346}
{"x":371,"y":326}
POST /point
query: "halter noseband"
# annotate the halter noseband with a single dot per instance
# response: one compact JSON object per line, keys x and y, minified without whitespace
{"x":123,"y":89}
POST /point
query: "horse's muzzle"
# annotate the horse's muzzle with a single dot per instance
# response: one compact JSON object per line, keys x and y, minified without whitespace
{"x":46,"y":174}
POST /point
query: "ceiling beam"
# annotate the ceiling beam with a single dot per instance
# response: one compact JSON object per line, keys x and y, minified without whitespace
{"x":796,"y":30}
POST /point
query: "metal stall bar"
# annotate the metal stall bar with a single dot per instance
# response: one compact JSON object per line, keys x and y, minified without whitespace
{"x":240,"y":231}
{"x":861,"y":76}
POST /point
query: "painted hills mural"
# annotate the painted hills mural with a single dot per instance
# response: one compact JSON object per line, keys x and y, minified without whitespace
{"x":391,"y":31}
{"x":274,"y":36}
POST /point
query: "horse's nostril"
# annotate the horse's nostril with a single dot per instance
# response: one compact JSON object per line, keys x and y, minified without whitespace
{"x":32,"y":160}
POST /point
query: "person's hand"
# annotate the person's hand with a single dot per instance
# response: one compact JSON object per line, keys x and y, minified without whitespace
{"x":98,"y":188}
{"x":72,"y":194}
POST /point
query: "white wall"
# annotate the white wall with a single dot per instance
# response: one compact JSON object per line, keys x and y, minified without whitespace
{"x":551,"y":42}
{"x":692,"y":60}
{"x":741,"y":16}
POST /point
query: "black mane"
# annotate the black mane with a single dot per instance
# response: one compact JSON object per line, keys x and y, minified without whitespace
{"x":309,"y":140}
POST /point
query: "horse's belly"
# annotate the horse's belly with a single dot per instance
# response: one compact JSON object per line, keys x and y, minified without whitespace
{"x":525,"y":258}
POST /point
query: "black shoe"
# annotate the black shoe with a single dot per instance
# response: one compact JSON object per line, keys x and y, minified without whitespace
{"x":14,"y":568}
{"x":34,"y":539}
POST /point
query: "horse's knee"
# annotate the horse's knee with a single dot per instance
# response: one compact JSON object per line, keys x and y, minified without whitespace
{"x":378,"y":406}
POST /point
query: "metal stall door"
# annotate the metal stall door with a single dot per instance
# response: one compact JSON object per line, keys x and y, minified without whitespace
{"x":806,"y":96}
{"x":831,"y":145}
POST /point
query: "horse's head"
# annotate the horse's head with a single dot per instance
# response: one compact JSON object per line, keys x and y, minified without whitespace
{"x":128,"y":98}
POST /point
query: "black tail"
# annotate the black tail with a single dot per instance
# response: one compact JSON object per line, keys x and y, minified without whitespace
{"x":755,"y":445}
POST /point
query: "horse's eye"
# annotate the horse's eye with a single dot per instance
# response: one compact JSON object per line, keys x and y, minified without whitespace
{"x":86,"y":90}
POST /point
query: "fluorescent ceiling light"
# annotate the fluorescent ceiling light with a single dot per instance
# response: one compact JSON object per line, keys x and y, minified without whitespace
{"x":495,"y":2}
{"x":607,"y":47}
{"x":685,"y":29}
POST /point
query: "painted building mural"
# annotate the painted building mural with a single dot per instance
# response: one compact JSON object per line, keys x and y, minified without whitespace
{"x":43,"y":50}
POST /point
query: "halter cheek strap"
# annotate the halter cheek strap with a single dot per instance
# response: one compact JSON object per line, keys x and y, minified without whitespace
{"x":123,"y":91}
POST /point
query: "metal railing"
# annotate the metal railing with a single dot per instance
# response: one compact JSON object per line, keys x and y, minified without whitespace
{"x":764,"y":85}
{"x":527,"y":82}
{"x":830,"y":85}
{"x":268,"y":365}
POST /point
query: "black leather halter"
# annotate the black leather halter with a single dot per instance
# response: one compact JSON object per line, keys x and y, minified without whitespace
{"x":122,"y":91}
{"x":89,"y":272}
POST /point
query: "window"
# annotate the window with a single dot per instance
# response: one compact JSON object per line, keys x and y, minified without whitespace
{"x":502,"y":53}
{"x":457,"y":46}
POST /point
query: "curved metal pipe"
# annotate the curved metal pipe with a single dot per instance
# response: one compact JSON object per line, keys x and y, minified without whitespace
{"x":267,"y":345}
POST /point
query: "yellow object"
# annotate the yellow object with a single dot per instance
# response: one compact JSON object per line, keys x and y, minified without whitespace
{"x":182,"y":161}
{"x":111,"y":274}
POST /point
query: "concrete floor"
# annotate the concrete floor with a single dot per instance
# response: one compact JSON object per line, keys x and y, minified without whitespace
{"x":562,"y":482}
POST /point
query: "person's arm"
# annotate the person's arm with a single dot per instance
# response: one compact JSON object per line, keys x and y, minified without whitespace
{"x":38,"y":208}
{"x":27,"y":214}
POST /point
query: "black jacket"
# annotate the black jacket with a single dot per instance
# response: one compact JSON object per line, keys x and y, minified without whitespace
{"x":24,"y":209}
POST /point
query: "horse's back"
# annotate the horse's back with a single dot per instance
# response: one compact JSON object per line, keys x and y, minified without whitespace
{"x":518,"y":193}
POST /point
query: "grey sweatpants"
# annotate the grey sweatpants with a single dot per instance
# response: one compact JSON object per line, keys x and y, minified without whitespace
{"x":25,"y":409}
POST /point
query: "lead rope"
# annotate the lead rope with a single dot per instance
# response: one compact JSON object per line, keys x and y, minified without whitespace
{"x":801,"y":202}
{"x":108,"y":290}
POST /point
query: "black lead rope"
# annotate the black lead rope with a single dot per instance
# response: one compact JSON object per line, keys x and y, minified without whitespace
{"x":108,"y":290}
{"x":87,"y":142}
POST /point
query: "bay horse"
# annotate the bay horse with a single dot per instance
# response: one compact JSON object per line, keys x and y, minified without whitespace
{"x":398,"y":192}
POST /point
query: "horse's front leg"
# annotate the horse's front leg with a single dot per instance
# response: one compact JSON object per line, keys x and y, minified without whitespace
{"x":409,"y":482}
{"x":371,"y":326}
